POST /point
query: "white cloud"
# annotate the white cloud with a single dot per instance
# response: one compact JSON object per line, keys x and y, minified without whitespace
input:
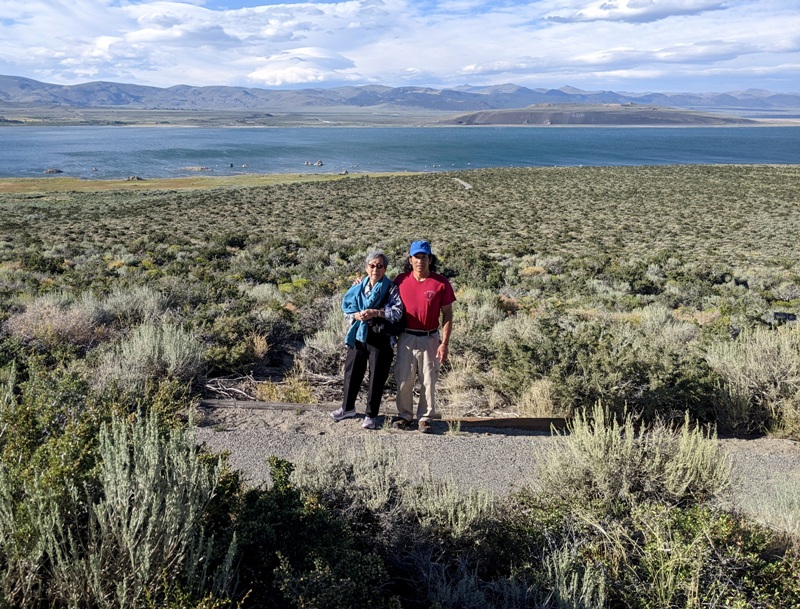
{"x":632,"y":44}
{"x":636,"y":11}
{"x":304,"y":65}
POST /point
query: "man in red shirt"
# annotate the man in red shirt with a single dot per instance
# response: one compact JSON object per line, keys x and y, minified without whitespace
{"x":422,"y":347}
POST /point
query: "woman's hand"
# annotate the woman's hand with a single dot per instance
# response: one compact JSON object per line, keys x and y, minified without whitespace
{"x":367,"y":314}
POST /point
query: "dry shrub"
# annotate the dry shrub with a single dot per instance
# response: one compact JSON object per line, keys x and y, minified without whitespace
{"x":371,"y":474}
{"x":477,"y":311}
{"x":265,"y":293}
{"x":52,"y":321}
{"x":532,"y":270}
{"x":787,"y":290}
{"x":134,"y":305}
{"x":790,"y":421}
{"x":539,"y":400}
{"x":607,"y":462}
{"x":760,"y":379}
{"x":365,"y":473}
{"x":151,"y":353}
{"x":701,"y":318}
{"x":461,"y":391}
{"x":323,"y":352}
{"x":259,"y":344}
{"x":294,"y":390}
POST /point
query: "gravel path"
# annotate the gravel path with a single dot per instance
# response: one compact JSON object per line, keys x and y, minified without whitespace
{"x":482,"y":458}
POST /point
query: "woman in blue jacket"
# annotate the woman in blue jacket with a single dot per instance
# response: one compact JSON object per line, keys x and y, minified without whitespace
{"x":368,"y":305}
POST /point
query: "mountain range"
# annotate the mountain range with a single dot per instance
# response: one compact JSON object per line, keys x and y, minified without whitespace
{"x":16,"y":91}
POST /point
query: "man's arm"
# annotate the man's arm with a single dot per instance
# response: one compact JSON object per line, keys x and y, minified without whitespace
{"x":447,"y":328}
{"x":393,"y":311}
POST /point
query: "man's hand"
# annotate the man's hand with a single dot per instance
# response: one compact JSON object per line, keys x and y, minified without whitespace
{"x":447,"y":329}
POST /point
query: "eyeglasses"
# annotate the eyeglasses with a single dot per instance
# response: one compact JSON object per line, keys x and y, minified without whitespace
{"x":375,"y":266}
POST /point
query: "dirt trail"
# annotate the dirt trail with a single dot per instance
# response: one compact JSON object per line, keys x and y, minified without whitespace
{"x":498,"y":460}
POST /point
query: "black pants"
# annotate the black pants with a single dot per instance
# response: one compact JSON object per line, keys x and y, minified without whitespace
{"x":378,"y":353}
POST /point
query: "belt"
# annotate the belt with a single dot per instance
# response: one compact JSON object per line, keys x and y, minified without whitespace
{"x":421,"y":332}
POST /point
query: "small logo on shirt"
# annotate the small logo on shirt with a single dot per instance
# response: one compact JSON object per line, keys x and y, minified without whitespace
{"x":429,"y":294}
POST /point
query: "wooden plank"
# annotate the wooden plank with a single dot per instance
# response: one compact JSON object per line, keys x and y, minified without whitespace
{"x":527,"y":423}
{"x":252,"y":405}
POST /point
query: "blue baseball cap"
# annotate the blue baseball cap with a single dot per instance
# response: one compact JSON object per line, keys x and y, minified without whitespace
{"x":420,"y":247}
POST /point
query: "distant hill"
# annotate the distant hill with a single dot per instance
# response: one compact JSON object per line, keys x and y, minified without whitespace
{"x":15,"y":90}
{"x":595,"y":114}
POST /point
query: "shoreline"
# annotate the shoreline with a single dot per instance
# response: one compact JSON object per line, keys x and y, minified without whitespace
{"x":203,"y":182}
{"x":51,"y":184}
{"x":316,"y":123}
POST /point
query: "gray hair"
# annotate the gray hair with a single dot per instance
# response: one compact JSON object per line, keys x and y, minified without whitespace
{"x":377,"y":254}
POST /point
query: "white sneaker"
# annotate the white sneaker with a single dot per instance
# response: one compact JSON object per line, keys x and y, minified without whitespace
{"x":341,"y":414}
{"x":369,"y":423}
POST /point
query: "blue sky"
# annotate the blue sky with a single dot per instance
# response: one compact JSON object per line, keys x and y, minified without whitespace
{"x":621,"y":45}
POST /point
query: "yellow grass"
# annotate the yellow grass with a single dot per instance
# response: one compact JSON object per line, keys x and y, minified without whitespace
{"x":68,"y":184}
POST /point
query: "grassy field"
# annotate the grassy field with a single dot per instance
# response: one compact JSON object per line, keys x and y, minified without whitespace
{"x":612,"y":295}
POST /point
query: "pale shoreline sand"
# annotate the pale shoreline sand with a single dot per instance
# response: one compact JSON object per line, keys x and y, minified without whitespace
{"x":60,"y":183}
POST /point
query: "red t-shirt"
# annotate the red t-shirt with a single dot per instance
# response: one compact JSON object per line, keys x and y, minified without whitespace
{"x":423,"y":300}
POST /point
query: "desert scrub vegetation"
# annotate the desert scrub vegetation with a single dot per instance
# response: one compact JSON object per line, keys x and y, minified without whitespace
{"x":129,"y":524}
{"x":356,"y":527}
{"x":622,"y":516}
{"x":627,"y":285}
{"x":649,"y":290}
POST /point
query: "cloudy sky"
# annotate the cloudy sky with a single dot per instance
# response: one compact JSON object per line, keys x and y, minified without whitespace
{"x":621,"y":45}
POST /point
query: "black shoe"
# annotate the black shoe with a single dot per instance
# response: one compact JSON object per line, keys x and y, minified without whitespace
{"x":401,"y":423}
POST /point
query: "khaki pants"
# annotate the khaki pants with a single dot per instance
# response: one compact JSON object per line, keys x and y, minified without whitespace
{"x":416,"y":362}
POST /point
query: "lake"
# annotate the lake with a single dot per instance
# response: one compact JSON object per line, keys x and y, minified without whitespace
{"x":163,"y":152}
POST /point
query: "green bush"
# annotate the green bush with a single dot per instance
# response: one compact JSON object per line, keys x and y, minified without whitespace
{"x":294,"y":552}
{"x":95,"y":514}
{"x":648,"y":362}
{"x":49,"y":420}
{"x":468,"y":267}
{"x":123,"y":556}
